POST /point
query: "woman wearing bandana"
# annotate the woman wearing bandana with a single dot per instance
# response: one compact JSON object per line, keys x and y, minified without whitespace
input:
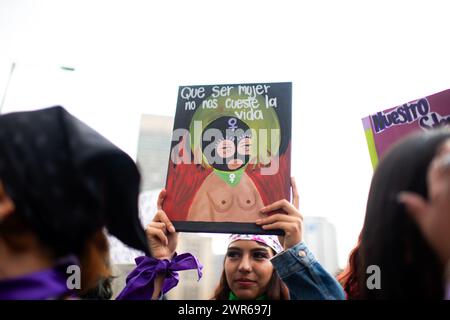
{"x":256,"y":267}
{"x":61,"y":184}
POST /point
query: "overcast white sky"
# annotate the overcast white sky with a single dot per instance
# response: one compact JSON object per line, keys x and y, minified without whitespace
{"x":346,"y":59}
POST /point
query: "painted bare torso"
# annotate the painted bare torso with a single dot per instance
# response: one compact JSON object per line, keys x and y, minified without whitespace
{"x":216,"y":201}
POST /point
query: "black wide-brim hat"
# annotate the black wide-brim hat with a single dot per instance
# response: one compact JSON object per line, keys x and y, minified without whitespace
{"x":67,"y":181}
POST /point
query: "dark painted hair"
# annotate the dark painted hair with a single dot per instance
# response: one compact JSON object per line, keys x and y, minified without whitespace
{"x":390,"y":239}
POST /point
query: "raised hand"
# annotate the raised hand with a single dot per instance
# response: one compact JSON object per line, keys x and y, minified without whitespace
{"x":161,"y":234}
{"x":291,"y":222}
{"x":432,"y":215}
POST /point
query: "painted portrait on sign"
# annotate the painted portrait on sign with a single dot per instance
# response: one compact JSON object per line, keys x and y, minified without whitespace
{"x":230,"y":156}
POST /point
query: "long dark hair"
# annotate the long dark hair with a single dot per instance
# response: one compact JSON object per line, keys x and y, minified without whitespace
{"x":390,"y":239}
{"x":276,"y":289}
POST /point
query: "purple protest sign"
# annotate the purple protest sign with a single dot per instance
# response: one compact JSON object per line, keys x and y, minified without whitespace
{"x":386,"y":127}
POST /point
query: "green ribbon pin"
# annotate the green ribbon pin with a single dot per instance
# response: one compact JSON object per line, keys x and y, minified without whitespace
{"x":232,"y":178}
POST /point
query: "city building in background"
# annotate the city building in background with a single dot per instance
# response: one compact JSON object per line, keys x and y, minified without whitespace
{"x":155,"y":137}
{"x":320,"y":236}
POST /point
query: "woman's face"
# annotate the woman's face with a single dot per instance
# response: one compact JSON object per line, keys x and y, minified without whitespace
{"x":231,"y":140}
{"x":248,"y":268}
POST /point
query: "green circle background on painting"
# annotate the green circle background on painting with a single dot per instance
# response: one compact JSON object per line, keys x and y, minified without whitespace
{"x":270,"y":121}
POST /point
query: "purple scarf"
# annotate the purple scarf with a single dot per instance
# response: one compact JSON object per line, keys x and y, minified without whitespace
{"x":140,"y":282}
{"x":40,"y":285}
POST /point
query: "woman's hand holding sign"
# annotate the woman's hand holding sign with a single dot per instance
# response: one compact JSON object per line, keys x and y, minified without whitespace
{"x":291,"y":222}
{"x":161,"y":235}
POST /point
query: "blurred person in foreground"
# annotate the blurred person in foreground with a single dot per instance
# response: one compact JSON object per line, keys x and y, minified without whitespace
{"x":61,"y":185}
{"x":406,"y":228}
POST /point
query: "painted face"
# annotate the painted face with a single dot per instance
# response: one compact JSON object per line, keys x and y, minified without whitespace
{"x":227,"y":143}
{"x":244,"y":145}
{"x":248,"y":269}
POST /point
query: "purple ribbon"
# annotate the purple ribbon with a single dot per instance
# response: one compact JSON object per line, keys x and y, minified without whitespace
{"x":40,"y":285}
{"x":140,"y":282}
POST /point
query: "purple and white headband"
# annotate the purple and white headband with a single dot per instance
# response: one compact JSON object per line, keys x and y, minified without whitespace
{"x":268,"y":240}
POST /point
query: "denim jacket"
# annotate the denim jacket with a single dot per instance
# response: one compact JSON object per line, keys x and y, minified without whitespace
{"x":304,"y":276}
